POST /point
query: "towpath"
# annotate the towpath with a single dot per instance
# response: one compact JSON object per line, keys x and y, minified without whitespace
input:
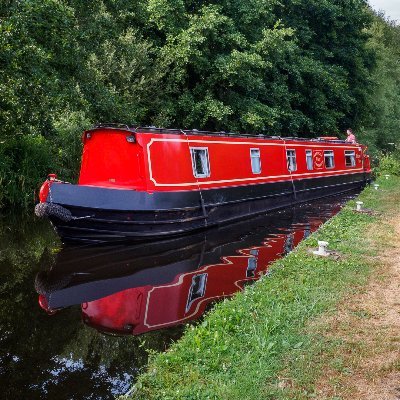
{"x":367,"y":325}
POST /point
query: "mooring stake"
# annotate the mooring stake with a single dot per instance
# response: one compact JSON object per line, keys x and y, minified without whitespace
{"x":359,"y":205}
{"x":376,"y":186}
{"x":322,"y":249}
{"x":387,"y":177}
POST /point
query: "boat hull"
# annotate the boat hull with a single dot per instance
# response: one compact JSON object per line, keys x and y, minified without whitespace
{"x":105,"y":215}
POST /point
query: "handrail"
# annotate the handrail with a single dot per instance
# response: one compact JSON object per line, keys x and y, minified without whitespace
{"x":196,"y":132}
{"x":112,"y":125}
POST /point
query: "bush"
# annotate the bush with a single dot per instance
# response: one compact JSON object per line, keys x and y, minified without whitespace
{"x":24,"y":163}
{"x":389,"y":164}
{"x":68,"y":143}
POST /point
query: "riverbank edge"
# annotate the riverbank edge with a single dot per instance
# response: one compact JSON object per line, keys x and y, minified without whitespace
{"x":243,"y":345}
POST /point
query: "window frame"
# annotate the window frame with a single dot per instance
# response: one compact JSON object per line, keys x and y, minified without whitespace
{"x":259,"y":160}
{"x":309,"y":153}
{"x":333,"y":158}
{"x":207,"y":166}
{"x":353,"y":158}
{"x":290,"y":157}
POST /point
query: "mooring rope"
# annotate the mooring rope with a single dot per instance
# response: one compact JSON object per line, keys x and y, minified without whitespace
{"x":290,"y":170}
{"x":198,"y":184}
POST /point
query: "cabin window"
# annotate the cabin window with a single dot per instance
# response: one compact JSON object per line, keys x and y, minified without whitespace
{"x":255,"y":161}
{"x":200,"y":162}
{"x":309,"y":160}
{"x":291,"y":160}
{"x":329,"y":159}
{"x":350,"y":157}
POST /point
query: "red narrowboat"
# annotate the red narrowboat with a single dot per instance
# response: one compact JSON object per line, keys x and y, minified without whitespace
{"x":150,"y":183}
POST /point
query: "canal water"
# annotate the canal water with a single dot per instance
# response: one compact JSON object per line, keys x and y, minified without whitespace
{"x":79,"y":322}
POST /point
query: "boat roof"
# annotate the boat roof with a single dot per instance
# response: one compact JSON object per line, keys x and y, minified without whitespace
{"x":174,"y":131}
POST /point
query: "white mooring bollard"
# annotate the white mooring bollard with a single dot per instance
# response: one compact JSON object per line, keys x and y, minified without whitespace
{"x":359,"y":205}
{"x":376,"y":186}
{"x":322,"y":249}
{"x":387,"y":177}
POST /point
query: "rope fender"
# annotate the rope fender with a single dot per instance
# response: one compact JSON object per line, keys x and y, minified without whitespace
{"x":51,"y":209}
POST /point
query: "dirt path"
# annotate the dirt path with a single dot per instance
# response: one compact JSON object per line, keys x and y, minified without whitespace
{"x":367,"y":362}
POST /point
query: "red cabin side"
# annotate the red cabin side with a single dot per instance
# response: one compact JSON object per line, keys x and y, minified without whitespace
{"x":169,"y":162}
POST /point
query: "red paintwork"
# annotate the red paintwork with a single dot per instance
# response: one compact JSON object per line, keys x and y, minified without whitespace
{"x":142,"y":309}
{"x":44,"y":304}
{"x":109,"y":160}
{"x":162,"y":162}
{"x":367,"y":160}
{"x":45,"y":188}
{"x":44,"y":191}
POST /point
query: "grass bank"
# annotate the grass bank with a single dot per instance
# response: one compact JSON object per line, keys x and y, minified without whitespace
{"x":250,"y":346}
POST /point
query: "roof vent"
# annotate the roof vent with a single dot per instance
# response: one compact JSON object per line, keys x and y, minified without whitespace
{"x":328,"y":138}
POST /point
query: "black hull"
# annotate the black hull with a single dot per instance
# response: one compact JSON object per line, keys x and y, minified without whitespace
{"x":107,"y":215}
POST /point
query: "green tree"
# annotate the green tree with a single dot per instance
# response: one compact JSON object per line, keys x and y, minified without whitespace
{"x":382,"y":122}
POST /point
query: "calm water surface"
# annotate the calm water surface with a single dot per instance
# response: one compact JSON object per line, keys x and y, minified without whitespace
{"x":78,"y":322}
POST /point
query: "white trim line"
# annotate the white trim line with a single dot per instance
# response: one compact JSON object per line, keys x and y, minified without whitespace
{"x":152,"y":140}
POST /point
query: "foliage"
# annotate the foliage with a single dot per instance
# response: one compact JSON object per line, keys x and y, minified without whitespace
{"x":389,"y":164}
{"x":68,"y":143}
{"x":241,"y":347}
{"x":303,"y":70}
{"x":382,"y":122}
{"x":63,"y":66}
{"x":24,"y":160}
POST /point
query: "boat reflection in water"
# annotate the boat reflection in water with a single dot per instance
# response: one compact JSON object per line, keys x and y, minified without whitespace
{"x":135,"y":289}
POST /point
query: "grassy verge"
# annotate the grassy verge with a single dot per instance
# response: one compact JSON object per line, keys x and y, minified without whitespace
{"x":247,"y":347}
